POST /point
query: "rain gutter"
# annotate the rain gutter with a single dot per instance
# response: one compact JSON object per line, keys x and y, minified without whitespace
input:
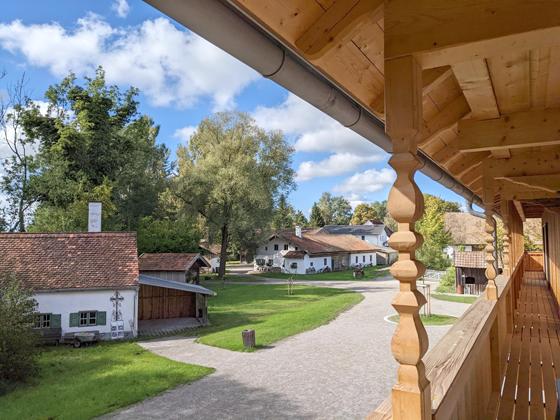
{"x":224,"y":25}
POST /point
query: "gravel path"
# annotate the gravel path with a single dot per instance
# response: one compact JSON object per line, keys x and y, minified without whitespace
{"x":338,"y":371}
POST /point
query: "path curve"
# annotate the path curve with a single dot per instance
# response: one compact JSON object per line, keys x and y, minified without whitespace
{"x":340,"y":370}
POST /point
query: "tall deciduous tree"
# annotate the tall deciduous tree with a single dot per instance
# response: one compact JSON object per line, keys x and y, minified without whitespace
{"x":18,"y":165}
{"x":232,"y":172}
{"x":93,"y":145}
{"x":364,"y":212}
{"x":335,"y":210}
{"x":432,"y":228}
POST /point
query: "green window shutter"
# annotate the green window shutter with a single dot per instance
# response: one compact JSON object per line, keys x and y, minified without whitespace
{"x":55,"y":320}
{"x":75,"y":319}
{"x":101,"y":318}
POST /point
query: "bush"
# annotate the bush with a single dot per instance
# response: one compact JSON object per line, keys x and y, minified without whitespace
{"x":18,"y":348}
{"x":447,"y":282}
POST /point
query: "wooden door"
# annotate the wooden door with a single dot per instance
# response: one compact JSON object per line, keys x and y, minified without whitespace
{"x":162,"y":303}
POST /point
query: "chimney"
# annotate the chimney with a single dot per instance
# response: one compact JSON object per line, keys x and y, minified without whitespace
{"x":94,"y":217}
{"x":298,"y":231}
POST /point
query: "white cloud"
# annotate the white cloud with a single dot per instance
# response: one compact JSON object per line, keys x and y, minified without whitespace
{"x":336,"y":164}
{"x":184,"y":134}
{"x":171,"y":66}
{"x":121,"y":8}
{"x":360,"y":184}
{"x":314,"y":130}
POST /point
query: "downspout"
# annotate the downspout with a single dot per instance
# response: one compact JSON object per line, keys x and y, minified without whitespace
{"x":481,"y":215}
{"x":222,"y":24}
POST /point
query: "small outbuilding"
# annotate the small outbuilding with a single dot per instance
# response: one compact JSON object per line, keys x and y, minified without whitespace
{"x":180,"y":267}
{"x":470,"y":267}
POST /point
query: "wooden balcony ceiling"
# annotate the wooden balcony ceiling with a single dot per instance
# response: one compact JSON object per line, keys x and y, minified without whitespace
{"x":512,"y":85}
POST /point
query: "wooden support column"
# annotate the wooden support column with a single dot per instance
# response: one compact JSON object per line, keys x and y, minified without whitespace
{"x":411,"y":398}
{"x":506,"y":239}
{"x":488,"y":199}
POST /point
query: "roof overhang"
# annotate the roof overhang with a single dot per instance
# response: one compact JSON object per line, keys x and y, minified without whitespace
{"x":170,"y":284}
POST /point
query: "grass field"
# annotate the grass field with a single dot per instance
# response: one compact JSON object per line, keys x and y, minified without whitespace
{"x":271,"y":312}
{"x":454,"y":298}
{"x":370,"y":274}
{"x":88,"y":382}
{"x":433,"y":319}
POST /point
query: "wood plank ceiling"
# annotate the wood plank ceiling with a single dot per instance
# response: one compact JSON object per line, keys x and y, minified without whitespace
{"x":349,"y":50}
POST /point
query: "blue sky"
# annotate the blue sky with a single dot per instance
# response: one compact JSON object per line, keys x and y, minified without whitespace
{"x":183,"y":79}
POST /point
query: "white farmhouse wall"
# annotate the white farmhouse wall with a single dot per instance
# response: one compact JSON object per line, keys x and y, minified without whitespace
{"x":300,"y":265}
{"x":267,"y":252}
{"x":67,"y":302}
{"x":358,"y":258}
{"x":307,"y":262}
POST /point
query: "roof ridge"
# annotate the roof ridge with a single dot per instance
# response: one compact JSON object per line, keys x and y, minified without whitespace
{"x":66,"y":234}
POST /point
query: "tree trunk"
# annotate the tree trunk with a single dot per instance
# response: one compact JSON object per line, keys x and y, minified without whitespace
{"x":223,"y":253}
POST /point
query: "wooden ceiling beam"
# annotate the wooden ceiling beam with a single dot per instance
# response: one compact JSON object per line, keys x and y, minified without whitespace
{"x":433,"y":78}
{"x":511,"y":191}
{"x":543,"y":162}
{"x":337,"y":25}
{"x":440,"y":33}
{"x":549,"y":183}
{"x":445,"y":120}
{"x":535,"y":128}
{"x":475,"y":82}
{"x":519,"y":208}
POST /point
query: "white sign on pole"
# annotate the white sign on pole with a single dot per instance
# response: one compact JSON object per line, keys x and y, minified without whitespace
{"x":94,"y":217}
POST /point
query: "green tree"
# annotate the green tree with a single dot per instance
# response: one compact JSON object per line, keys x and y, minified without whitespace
{"x":17,"y":339}
{"x":364,"y":212}
{"x":432,"y":228}
{"x":231,"y":173}
{"x":91,"y":141}
{"x":316,"y":218}
{"x":19,"y":165}
{"x":335,"y":210}
{"x":283,"y":217}
{"x":300,"y":219}
{"x":168,"y":235}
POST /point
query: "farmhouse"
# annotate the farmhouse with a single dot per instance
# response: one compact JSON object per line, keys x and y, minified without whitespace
{"x":302,"y":252}
{"x":467,"y":232}
{"x":82,"y":282}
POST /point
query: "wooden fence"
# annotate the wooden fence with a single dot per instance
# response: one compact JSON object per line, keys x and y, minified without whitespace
{"x":534,"y":261}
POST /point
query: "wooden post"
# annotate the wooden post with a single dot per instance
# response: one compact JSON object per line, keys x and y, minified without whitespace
{"x":506,"y":238}
{"x":411,"y":398}
{"x":488,"y":199}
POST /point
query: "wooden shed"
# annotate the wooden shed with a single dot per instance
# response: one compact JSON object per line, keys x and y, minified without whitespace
{"x":181,"y":267}
{"x":167,"y":299}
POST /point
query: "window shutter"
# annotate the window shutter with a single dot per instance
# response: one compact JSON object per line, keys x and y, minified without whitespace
{"x":101,"y":318}
{"x":75,"y":319}
{"x":55,"y":320}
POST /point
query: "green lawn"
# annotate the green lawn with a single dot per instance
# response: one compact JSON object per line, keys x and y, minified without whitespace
{"x":433,"y":319}
{"x":87,"y":382}
{"x":454,"y":298}
{"x":270,"y":311}
{"x":370,"y":274}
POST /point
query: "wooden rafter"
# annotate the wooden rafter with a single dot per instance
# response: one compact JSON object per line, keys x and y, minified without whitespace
{"x":543,"y":162}
{"x":343,"y":19}
{"x":549,"y":183}
{"x":452,"y":32}
{"x":474,"y":79}
{"x":445,"y":120}
{"x":519,"y":130}
{"x":519,"y":208}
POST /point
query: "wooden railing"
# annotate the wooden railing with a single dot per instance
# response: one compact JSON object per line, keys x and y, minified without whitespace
{"x":534,"y":261}
{"x":466,"y":366}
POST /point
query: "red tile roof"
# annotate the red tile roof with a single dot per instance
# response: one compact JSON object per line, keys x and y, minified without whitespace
{"x":51,"y":261}
{"x":169,"y":261}
{"x":316,"y":243}
{"x":469,"y":259}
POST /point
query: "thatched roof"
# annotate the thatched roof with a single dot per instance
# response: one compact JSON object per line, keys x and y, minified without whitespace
{"x":465,"y":229}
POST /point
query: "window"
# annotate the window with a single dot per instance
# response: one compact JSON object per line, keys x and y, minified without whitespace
{"x":324,"y":261}
{"x":42,"y":321}
{"x":311,"y":263}
{"x":285,"y":247}
{"x":296,"y":248}
{"x":370,"y":258}
{"x":266,"y":248}
{"x":356,"y":259}
{"x":88,"y":318}
{"x":276,"y":247}
{"x":364,"y":258}
{"x":363,"y":238}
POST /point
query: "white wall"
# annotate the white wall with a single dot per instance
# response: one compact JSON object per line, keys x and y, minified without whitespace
{"x":370,"y":258}
{"x":65,"y":303}
{"x":307,"y":262}
{"x":374,"y":239}
{"x":267,"y":252}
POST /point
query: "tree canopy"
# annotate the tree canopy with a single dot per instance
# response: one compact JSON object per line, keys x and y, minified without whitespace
{"x":233,"y":173}
{"x":335,"y":210}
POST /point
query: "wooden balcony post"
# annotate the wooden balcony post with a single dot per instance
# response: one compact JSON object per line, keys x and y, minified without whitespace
{"x":488,"y":199}
{"x":411,"y":398}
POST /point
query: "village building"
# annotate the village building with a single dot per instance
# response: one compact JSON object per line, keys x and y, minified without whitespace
{"x":466,"y":232}
{"x":82,"y":282}
{"x":211,"y":252}
{"x":181,"y":267}
{"x":469,"y":272}
{"x":301,"y":252}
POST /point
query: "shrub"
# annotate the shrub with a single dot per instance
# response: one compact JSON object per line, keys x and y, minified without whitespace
{"x":447,"y":282}
{"x":18,"y":348}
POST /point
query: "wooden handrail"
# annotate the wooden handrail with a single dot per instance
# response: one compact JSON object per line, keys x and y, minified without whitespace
{"x":454,"y":364}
